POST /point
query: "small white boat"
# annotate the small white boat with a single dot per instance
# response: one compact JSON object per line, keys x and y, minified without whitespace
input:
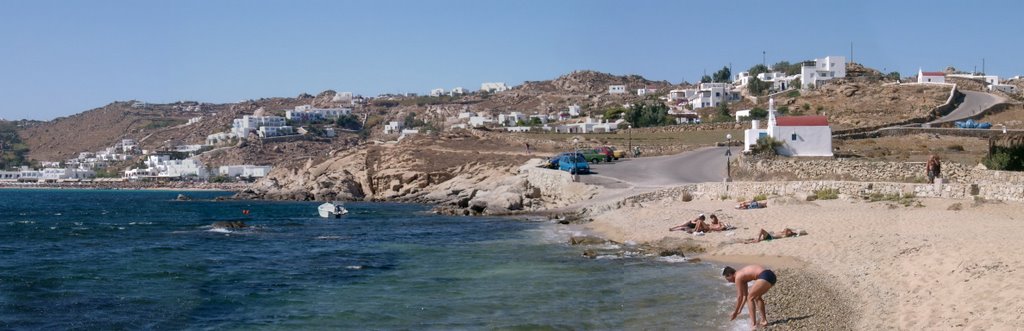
{"x":332,"y":209}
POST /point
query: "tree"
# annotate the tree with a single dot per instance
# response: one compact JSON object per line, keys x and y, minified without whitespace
{"x":796,"y":83}
{"x":895,"y":75}
{"x":723,"y":113}
{"x":350,"y":122}
{"x":643,"y":115}
{"x":758,"y":113}
{"x":757,"y":86}
{"x":757,"y":69}
{"x":722,"y":76}
{"x":705,"y":79}
{"x":614,"y":112}
{"x":787,"y":68}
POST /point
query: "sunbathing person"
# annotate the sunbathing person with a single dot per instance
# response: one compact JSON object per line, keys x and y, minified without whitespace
{"x":689,"y":226}
{"x":767,"y":236}
{"x":752,"y":204}
{"x":716,"y":225}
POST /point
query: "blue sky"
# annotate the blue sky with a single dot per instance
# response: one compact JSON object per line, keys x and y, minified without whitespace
{"x":63,"y":57}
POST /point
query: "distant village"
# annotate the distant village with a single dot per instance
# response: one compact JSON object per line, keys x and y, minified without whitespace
{"x":804,"y":135}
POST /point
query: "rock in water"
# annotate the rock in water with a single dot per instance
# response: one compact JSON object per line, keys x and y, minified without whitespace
{"x":182,"y":197}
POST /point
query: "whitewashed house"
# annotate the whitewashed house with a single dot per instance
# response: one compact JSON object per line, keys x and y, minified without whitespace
{"x":493,"y":87}
{"x":681,"y":95}
{"x":457,"y":91}
{"x":574,"y":110}
{"x":713,"y":94}
{"x":264,"y":126}
{"x":437,"y":92}
{"x":741,"y":114}
{"x":479,"y":121}
{"x":393,"y":127}
{"x":812,"y":73}
{"x":511,"y":119}
{"x":519,"y":129}
{"x":245,"y":170}
{"x":342,"y":98}
{"x":307,"y":113}
{"x":647,"y":90}
{"x":800,"y":135}
{"x":933,"y":77}
{"x":742,"y":79}
{"x":616,"y":89}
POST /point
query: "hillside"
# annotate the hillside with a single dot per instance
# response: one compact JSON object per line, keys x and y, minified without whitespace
{"x":853,"y":103}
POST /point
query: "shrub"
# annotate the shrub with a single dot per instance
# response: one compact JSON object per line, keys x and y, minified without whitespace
{"x":793,"y":94}
{"x":724,"y":197}
{"x":760,"y":197}
{"x":955,"y":148}
{"x":686,"y":196}
{"x":827,"y":194}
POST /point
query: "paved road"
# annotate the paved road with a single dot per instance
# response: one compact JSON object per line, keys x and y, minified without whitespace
{"x":703,"y":165}
{"x":974,"y":103}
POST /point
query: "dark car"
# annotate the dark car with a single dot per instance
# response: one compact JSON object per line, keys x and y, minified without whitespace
{"x":574,"y":165}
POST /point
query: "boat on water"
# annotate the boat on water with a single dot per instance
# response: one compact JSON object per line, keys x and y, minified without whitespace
{"x":332,"y":209}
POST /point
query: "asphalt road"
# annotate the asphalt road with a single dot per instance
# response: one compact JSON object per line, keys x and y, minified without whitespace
{"x":703,"y":165}
{"x":974,"y":103}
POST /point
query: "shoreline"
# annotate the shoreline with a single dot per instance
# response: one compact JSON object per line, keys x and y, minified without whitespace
{"x":862,"y":264}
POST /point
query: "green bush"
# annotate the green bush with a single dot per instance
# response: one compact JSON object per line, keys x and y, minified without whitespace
{"x":826,"y":194}
{"x":760,"y":197}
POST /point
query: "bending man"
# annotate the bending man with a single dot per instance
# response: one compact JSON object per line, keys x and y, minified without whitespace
{"x":763,"y":279}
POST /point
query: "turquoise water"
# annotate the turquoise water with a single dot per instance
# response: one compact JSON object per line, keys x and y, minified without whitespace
{"x":103,"y":260}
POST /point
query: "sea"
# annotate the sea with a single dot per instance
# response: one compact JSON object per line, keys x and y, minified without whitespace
{"x":138,"y":259}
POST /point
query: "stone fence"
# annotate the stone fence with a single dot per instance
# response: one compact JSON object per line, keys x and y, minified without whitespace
{"x":871,"y":171}
{"x":801,"y":189}
{"x":690,"y":127}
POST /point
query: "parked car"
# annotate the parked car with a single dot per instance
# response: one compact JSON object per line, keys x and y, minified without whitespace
{"x":593,"y":155}
{"x":618,"y":154}
{"x":574,"y":164}
{"x":553,"y":162}
{"x":608,"y":153}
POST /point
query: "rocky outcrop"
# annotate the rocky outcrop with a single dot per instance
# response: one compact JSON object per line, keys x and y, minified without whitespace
{"x":463,"y":182}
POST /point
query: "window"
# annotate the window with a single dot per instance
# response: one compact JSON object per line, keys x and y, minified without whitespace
{"x":794,"y":136}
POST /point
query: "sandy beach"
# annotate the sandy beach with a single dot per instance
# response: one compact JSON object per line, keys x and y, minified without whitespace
{"x":862,"y":265}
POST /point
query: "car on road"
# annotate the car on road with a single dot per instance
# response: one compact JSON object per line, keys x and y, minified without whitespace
{"x":553,"y":161}
{"x":593,"y":155}
{"x":574,"y":164}
{"x":608,"y":153}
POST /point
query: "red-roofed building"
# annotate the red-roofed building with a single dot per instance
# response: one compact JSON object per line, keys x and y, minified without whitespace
{"x":800,"y":135}
{"x":934,"y":77}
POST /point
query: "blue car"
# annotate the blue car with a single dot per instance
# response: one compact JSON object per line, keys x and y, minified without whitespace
{"x":554,"y":161}
{"x":574,"y":164}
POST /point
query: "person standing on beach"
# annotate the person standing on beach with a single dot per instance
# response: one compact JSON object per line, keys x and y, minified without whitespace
{"x":763,"y":279}
{"x":934,"y":168}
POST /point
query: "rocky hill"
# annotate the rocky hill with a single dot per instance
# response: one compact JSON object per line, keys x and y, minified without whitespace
{"x":853,"y":103}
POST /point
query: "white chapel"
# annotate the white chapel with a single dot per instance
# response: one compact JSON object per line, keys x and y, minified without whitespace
{"x":800,"y":135}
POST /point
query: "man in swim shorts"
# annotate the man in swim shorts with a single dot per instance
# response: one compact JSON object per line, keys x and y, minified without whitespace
{"x":763,"y":279}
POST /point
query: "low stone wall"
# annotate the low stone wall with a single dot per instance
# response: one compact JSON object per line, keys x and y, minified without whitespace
{"x":801,"y":189}
{"x":690,"y":127}
{"x":873,"y":171}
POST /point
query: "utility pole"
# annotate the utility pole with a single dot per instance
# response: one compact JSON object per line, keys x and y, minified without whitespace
{"x":851,"y":52}
{"x":982,"y":66}
{"x":763,"y":56}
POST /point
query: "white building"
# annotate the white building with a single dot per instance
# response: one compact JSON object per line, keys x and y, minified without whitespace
{"x":307,"y":113}
{"x":9,"y":176}
{"x":437,"y":92}
{"x":742,"y":78}
{"x":479,"y":121}
{"x":800,"y":135}
{"x":161,"y":166}
{"x":574,"y":110}
{"x":56,"y":174}
{"x":129,"y":146}
{"x":393,"y":127}
{"x":342,"y":98}
{"x":494,"y":87}
{"x":713,"y":94}
{"x":741,"y":114}
{"x":542,"y":118}
{"x":264,"y":126}
{"x":511,"y":119}
{"x":519,"y":129}
{"x":812,"y":73}
{"x":930,"y":76}
{"x":681,"y":95}
{"x":646,"y":90}
{"x":466,"y":115}
{"x":616,"y":89}
{"x":457,"y":91}
{"x":246,"y":170}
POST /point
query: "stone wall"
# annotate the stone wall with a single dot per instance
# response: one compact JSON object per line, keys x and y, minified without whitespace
{"x":690,"y":127}
{"x":801,"y":189}
{"x":555,"y":187}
